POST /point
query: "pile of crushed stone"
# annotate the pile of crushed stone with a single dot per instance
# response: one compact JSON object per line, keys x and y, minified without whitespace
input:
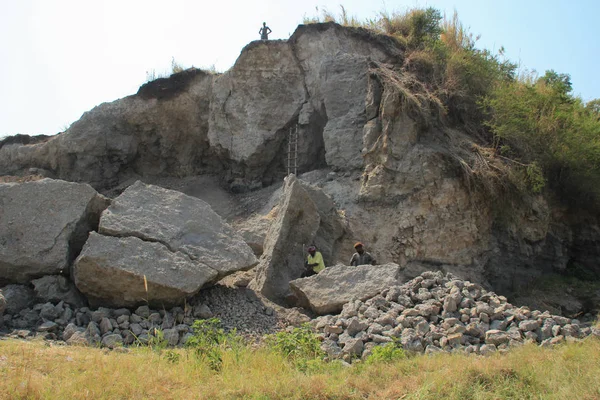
{"x":434,"y":313}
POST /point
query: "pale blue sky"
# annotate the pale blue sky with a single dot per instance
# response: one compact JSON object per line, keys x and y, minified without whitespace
{"x":61,"y":58}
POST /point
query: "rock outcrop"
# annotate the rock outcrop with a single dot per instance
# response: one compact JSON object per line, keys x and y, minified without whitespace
{"x":328,"y":291}
{"x":43,"y":226}
{"x":305,"y":215}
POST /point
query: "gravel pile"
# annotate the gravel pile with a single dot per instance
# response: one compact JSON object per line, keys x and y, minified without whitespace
{"x":435,"y":312}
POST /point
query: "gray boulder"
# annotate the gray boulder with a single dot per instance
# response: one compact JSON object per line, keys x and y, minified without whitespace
{"x":43,"y":225}
{"x":306,"y":215}
{"x":57,"y":288}
{"x":328,"y":291}
{"x":111,"y":271}
{"x":182,"y":223}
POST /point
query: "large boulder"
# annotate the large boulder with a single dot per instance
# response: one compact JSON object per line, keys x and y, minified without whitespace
{"x":117,"y":271}
{"x":43,"y":226}
{"x":182,"y":223}
{"x":328,"y":291}
{"x":305,"y":216}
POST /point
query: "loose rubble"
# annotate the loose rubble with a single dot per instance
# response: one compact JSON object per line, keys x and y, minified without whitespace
{"x":238,"y":309}
{"x":435,"y":312}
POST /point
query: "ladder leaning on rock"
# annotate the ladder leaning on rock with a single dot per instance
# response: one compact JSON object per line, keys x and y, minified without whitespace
{"x":292,"y":164}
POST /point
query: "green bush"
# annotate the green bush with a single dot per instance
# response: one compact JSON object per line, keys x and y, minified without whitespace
{"x":299,"y":345}
{"x":387,"y":353}
{"x":210,"y":340}
{"x":549,"y":131}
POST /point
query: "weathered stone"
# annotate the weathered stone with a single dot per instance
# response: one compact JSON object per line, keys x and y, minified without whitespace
{"x":182,"y":223}
{"x":355,"y":326}
{"x":114,"y":271}
{"x":353,"y":347}
{"x":334,"y":329}
{"x":496,"y":337}
{"x":528,"y":325}
{"x":49,"y":312}
{"x":142,"y":311}
{"x":112,"y":341}
{"x":43,"y":224}
{"x":105,"y":326}
{"x":56,"y":288}
{"x":487,"y":349}
{"x":455,"y":339}
{"x":69,"y":331}
{"x":17,"y":298}
{"x":47,"y":327}
{"x":328,"y":291}
{"x":78,"y":338}
{"x":171,"y":336}
{"x":202,"y":311}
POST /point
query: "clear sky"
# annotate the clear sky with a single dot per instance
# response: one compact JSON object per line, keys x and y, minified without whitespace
{"x":60,"y":58}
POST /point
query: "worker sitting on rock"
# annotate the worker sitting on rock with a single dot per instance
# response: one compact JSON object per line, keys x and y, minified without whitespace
{"x":361,"y":257}
{"x":314,"y":262}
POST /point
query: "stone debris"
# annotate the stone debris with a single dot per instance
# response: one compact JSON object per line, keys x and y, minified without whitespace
{"x":435,"y":312}
{"x":238,"y":309}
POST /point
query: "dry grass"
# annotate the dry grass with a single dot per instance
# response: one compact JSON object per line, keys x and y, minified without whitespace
{"x":33,"y":370}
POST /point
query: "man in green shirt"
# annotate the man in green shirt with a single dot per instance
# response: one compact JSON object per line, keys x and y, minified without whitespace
{"x":314,"y":262}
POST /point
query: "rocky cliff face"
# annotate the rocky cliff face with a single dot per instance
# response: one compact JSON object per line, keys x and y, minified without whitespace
{"x":393,"y":172}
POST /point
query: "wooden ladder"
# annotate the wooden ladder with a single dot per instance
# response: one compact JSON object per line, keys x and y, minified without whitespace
{"x":292,"y":165}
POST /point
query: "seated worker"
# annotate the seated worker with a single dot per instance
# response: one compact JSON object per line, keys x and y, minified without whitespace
{"x":314,"y":262}
{"x":361,"y":257}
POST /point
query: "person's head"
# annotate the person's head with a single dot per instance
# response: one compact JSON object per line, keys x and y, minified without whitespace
{"x":312,"y":250}
{"x":264,"y":23}
{"x":359,"y":248}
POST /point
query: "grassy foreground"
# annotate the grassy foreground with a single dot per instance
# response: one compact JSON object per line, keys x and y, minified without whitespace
{"x":35,"y":370}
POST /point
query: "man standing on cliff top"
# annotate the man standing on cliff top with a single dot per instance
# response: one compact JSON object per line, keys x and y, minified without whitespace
{"x":264,"y":32}
{"x":361,"y":257}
